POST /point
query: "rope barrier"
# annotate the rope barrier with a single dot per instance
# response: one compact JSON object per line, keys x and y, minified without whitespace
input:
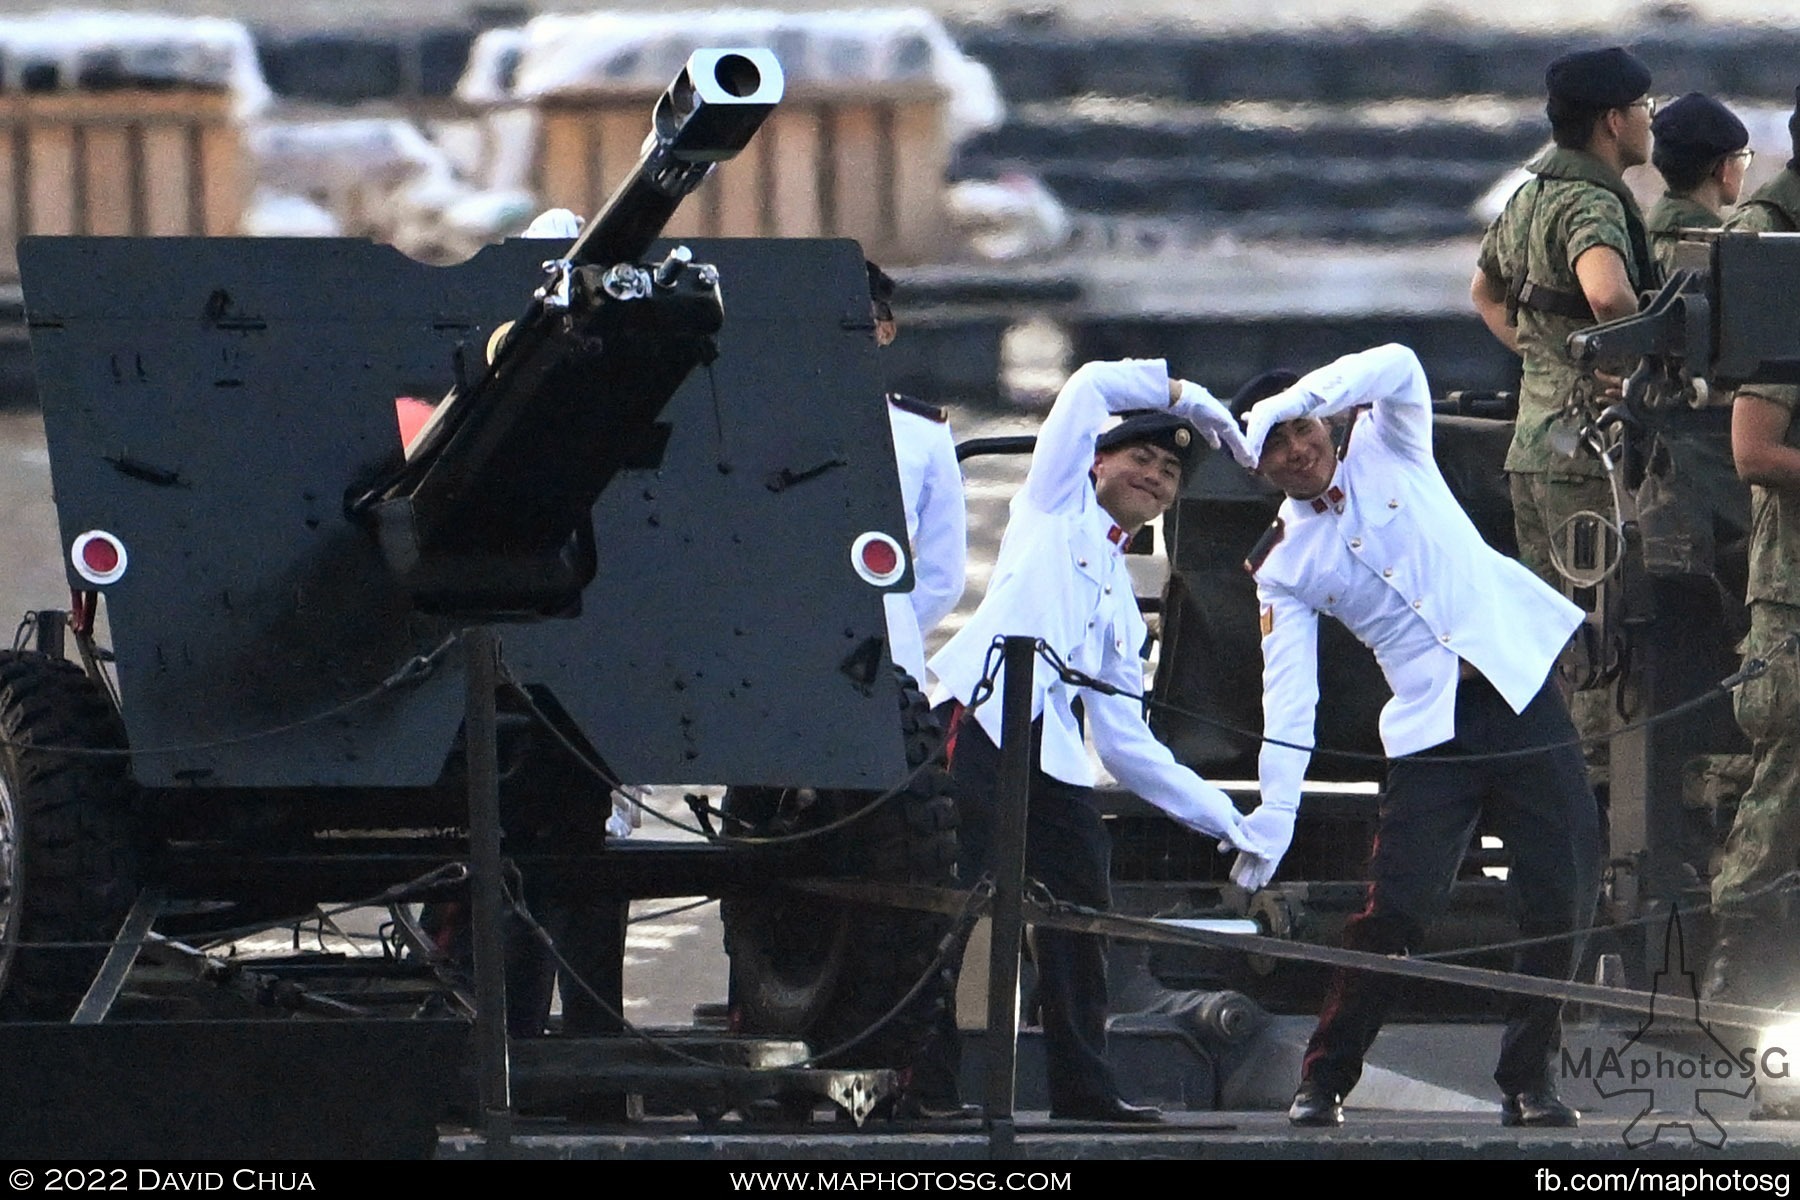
{"x":1752,"y":668}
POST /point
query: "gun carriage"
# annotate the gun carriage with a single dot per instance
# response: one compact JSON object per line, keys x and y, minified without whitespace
{"x":643,"y":539}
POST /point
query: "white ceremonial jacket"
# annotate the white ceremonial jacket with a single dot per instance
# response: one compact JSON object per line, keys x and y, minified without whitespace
{"x":1389,"y":552}
{"x":1061,"y":576}
{"x":931,"y":488}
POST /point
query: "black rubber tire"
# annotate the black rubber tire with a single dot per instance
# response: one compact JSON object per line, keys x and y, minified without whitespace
{"x":69,"y":851}
{"x":823,"y":970}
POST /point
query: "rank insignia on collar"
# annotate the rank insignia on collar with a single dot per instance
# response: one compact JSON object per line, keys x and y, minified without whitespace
{"x":1332,"y":499}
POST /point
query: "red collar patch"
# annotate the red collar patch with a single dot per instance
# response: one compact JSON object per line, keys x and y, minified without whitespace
{"x":1332,"y":499}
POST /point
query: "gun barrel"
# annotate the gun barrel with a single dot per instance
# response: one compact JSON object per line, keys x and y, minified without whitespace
{"x":489,"y":515}
{"x":709,"y":113}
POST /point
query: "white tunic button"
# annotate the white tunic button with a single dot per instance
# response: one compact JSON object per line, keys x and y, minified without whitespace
{"x":1081,"y":562}
{"x":1444,"y":638}
{"x":1417,"y":603}
{"x":1387,"y":573}
{"x":1356,"y":543}
{"x":1393,"y":504}
{"x":1108,"y":589}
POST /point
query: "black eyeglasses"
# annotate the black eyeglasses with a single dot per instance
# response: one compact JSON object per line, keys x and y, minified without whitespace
{"x":1648,"y":104}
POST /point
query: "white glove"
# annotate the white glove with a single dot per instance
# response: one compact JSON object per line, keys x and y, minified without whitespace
{"x":1268,"y":832}
{"x":1265,"y":415}
{"x":1214,"y":421}
{"x":627,"y":810}
{"x":1252,"y":872}
{"x":553,"y":223}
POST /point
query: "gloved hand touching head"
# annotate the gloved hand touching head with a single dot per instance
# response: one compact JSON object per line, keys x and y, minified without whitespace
{"x":1213,"y":420}
{"x":1254,"y":392}
{"x":1266,"y":414}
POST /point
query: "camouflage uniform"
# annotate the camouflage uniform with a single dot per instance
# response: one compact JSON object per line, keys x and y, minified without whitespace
{"x":1665,"y":221}
{"x":1775,"y":208}
{"x":1574,"y":203}
{"x":1765,"y":837}
{"x":1766,"y":833}
{"x":1690,"y":500}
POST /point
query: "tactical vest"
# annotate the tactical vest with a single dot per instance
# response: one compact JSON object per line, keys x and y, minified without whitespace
{"x":1525,"y":291}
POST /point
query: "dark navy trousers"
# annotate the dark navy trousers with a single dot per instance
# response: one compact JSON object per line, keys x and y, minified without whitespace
{"x":1541,"y":807}
{"x":1069,"y":852}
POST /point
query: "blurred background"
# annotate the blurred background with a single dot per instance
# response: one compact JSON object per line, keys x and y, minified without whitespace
{"x":1233,"y":185}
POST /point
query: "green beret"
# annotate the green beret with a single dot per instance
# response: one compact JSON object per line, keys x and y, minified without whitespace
{"x":1609,"y":78}
{"x":1698,"y":127}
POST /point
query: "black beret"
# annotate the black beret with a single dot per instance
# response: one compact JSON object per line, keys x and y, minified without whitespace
{"x":1698,"y":127}
{"x":1609,"y":78}
{"x":1155,"y":427}
{"x":881,"y":284}
{"x":1261,"y":388}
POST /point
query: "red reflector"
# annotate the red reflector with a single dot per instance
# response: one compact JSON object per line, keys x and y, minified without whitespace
{"x":100,"y":556}
{"x":880,"y":556}
{"x":877,"y":558}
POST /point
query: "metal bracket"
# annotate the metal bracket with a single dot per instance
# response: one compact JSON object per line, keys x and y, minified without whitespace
{"x":556,"y":291}
{"x":110,"y":979}
{"x":1677,"y":321}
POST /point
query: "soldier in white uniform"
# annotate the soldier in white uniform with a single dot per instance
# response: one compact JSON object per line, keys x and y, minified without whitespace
{"x":1061,"y":577}
{"x":931,"y":489}
{"x":1466,"y":637}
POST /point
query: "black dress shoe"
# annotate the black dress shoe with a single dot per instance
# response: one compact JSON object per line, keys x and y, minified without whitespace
{"x":1539,"y":1108}
{"x":1112,"y":1112}
{"x":1315,"y":1106}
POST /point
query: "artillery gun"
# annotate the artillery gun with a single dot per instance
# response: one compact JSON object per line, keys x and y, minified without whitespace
{"x":643,"y":539}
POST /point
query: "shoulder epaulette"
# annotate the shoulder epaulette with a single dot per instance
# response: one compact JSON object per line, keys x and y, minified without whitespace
{"x":1265,"y":545}
{"x":1349,"y":432}
{"x":918,"y":408}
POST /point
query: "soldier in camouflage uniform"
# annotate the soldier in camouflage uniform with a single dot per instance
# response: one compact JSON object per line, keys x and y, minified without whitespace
{"x":1775,"y":206}
{"x":1765,"y":837}
{"x":1691,"y":499}
{"x":1569,"y":250}
{"x":1702,"y":153}
{"x":1751,"y":951}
